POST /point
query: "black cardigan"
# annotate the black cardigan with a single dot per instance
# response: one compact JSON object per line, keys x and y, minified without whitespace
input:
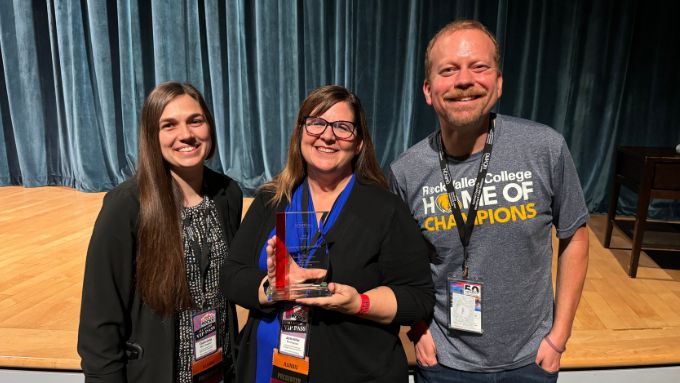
{"x":374,"y":242}
{"x":112,"y":313}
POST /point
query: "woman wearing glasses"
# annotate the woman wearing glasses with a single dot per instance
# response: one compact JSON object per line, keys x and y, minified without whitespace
{"x":379,"y":274}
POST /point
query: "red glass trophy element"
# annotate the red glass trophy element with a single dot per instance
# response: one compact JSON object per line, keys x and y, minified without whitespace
{"x":300,"y":244}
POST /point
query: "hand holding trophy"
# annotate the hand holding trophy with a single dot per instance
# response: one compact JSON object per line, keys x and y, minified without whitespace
{"x":297,"y":257}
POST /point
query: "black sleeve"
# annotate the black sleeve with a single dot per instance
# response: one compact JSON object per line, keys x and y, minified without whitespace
{"x":235,"y":198}
{"x":107,"y":290}
{"x":404,"y":264}
{"x":241,"y":276}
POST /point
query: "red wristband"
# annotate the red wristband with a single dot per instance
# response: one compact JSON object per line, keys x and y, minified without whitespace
{"x":552,"y":345}
{"x":365,"y":304}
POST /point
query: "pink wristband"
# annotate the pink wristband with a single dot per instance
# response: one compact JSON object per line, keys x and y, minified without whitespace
{"x":552,"y":345}
{"x":365,"y":304}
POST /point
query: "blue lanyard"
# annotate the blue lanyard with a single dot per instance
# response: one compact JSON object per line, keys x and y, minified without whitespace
{"x":301,"y":201}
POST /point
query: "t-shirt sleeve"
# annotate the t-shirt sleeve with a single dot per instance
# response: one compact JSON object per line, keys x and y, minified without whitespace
{"x":396,"y":187}
{"x":568,"y":204}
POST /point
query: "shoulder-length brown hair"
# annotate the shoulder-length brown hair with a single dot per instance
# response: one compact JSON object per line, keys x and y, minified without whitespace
{"x":160,"y":270}
{"x":364,"y":164}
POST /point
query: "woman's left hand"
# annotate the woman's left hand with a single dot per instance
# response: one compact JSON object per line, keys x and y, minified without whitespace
{"x":344,"y":299}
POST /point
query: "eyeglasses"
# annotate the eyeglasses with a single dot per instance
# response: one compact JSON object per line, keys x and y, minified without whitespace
{"x":316,"y":126}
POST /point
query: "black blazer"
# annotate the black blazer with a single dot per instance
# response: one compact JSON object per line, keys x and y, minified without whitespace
{"x":374,"y":242}
{"x":112,"y":314}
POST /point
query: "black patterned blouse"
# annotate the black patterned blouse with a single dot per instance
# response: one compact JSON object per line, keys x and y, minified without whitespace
{"x":205,"y":249}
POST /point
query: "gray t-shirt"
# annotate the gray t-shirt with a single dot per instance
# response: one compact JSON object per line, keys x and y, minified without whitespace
{"x":531,"y":185}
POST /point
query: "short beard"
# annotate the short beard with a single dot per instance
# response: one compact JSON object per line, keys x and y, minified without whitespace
{"x":471,"y":119}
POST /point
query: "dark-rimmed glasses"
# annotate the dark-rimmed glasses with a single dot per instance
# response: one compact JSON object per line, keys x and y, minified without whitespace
{"x":316,"y":126}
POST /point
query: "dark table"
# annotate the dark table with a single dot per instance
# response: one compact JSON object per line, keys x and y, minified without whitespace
{"x":652,"y":173}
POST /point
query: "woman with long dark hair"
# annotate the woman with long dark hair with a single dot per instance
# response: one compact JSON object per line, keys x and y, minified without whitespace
{"x":378,"y":275}
{"x":152,"y":308}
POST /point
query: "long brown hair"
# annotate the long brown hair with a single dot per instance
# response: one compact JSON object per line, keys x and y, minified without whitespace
{"x":161,"y":271}
{"x":365,"y":164}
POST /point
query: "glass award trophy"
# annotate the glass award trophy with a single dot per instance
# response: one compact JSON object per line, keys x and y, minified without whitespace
{"x":300,"y":243}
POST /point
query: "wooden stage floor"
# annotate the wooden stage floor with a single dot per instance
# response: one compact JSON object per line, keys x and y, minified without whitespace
{"x":44,"y":234}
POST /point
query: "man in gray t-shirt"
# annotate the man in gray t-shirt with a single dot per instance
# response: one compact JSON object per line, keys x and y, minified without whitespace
{"x":514,"y":329}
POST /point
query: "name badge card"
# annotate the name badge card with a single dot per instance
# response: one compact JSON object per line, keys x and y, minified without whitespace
{"x":294,"y":331}
{"x":465,"y":305}
{"x":290,"y":360}
{"x":206,"y":352}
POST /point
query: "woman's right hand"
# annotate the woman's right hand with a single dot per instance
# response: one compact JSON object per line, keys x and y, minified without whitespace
{"x":271,"y":260}
{"x":296,"y":274}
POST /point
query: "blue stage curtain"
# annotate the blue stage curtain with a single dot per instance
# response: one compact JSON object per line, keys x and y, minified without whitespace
{"x":74,"y":73}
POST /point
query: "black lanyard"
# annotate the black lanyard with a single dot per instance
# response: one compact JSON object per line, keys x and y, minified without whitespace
{"x":465,"y":227}
{"x":202,"y":254}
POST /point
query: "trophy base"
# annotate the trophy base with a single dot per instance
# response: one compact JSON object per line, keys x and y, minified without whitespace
{"x":304,"y":290}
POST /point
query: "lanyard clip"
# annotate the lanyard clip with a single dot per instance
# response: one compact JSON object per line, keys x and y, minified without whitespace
{"x":465,"y":271}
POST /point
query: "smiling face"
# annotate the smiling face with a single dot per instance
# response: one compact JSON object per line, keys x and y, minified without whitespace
{"x":184,"y":135}
{"x":325,"y":155}
{"x":464,"y":81}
